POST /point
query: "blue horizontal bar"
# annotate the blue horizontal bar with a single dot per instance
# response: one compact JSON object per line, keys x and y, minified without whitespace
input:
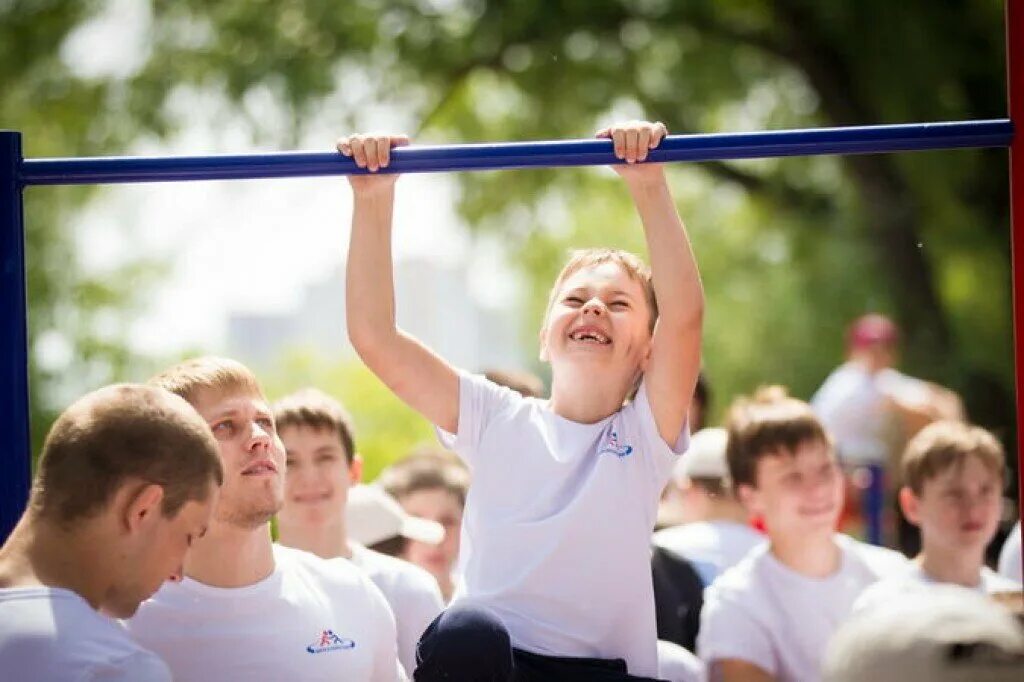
{"x":426,"y":159}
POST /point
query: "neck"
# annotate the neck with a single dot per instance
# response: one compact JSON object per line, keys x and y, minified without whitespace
{"x":815,"y":556}
{"x":230,"y":556}
{"x":586,"y":395}
{"x":725,"y":509}
{"x":958,"y":567}
{"x":42,"y":554}
{"x":327,"y":540}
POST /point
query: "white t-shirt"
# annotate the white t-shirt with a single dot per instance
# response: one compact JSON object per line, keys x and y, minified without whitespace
{"x":558,"y":520}
{"x":52,"y":634}
{"x":676,"y":664}
{"x":311,"y":619}
{"x":852,"y":404}
{"x":711,"y":546}
{"x":765,"y":613}
{"x":913,"y":580}
{"x":1009,"y":556}
{"x":412,"y":593}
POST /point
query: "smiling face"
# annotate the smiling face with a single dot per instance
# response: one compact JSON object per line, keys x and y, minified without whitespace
{"x":251,"y":452}
{"x":798,"y":493}
{"x":598,"y":316}
{"x":319,"y":476}
{"x":959,"y":508}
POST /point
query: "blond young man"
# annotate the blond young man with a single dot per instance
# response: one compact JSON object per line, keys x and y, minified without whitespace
{"x":770,"y":616}
{"x":555,"y":482}
{"x":246,"y":608}
{"x":323,"y":465}
{"x":953,"y":478}
{"x":126,"y":483}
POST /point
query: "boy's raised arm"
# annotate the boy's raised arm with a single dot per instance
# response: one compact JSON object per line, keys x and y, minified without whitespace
{"x":671,"y":372}
{"x":418,"y":376}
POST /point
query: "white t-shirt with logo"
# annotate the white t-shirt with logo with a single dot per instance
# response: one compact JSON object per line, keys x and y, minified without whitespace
{"x":914,"y":580}
{"x":558,"y":520}
{"x":711,"y":546}
{"x":52,"y":634}
{"x":412,"y":593}
{"x":765,"y":613}
{"x":311,"y":619}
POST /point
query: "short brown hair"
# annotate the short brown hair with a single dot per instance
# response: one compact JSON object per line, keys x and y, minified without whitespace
{"x":426,"y":470}
{"x":122,"y":432}
{"x":632,"y":264}
{"x":768,"y":423}
{"x":207,"y":373}
{"x":945,"y":444}
{"x":313,"y":408}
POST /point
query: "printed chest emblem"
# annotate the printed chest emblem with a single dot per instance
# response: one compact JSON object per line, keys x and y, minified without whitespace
{"x":328,"y":641}
{"x":614,"y":447}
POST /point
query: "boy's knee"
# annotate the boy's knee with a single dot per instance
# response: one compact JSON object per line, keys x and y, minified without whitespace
{"x":465,"y":643}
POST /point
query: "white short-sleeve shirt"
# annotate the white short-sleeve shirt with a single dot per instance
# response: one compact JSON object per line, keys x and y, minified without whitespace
{"x":914,"y":580}
{"x":52,"y":634}
{"x":311,"y":619}
{"x":767,"y":614}
{"x":711,"y":546}
{"x":558,"y":520}
{"x":412,"y":593}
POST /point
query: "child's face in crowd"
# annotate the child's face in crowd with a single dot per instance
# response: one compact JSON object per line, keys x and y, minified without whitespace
{"x":798,"y":492}
{"x":599,"y":315}
{"x":252,"y":455}
{"x":319,"y":475}
{"x":958,"y":509}
{"x":435,"y":504}
{"x":161,"y":554}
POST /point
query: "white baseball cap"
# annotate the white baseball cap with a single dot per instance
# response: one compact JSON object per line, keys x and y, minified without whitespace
{"x":706,"y":456}
{"x":944,"y":634}
{"x":372,"y":516}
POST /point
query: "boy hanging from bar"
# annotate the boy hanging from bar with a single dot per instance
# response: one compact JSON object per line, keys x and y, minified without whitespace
{"x":556,"y":482}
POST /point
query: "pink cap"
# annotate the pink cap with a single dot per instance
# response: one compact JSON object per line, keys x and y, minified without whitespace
{"x":871,"y":329}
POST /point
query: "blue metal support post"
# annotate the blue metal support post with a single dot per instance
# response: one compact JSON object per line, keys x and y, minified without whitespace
{"x":15,"y":446}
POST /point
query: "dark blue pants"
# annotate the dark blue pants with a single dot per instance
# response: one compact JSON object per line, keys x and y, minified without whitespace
{"x":470,"y":644}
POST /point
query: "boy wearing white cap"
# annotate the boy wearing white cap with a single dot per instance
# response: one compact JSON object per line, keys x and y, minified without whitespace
{"x":322,"y":465}
{"x":714,"y":534}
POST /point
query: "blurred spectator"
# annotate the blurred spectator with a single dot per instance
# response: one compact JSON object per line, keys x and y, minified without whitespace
{"x":431,"y":486}
{"x":714,"y":533}
{"x":771,"y":615}
{"x":1009,"y":556}
{"x":871,"y":410}
{"x":678,"y":598}
{"x":950,"y":634}
{"x":522,"y":382}
{"x":700,"y":406}
{"x":670,"y":512}
{"x":953,"y":478}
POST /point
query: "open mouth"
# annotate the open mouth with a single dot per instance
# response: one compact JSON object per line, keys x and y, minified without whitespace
{"x":590,"y":335}
{"x":262,"y":467}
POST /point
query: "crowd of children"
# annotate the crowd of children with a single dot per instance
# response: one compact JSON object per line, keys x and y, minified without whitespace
{"x":523,"y":550}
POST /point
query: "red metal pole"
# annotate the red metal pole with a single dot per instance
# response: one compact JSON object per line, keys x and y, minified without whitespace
{"x":1015,"y":98}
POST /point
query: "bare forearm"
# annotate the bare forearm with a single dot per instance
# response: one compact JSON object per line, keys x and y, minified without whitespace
{"x":369,"y":296}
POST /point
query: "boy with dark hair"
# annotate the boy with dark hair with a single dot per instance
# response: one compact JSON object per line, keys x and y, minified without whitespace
{"x":770,"y":616}
{"x":322,"y":466}
{"x":953,"y":477}
{"x":126,"y":482}
{"x":555,"y":482}
{"x":247,"y":608}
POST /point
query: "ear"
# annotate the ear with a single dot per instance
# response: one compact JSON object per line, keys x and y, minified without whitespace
{"x":355,"y":469}
{"x":910,"y":505}
{"x":142,"y":507}
{"x":750,"y":499}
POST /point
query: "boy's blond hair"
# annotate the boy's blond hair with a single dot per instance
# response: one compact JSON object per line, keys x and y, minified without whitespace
{"x":766,"y":424}
{"x":633,"y":265}
{"x":315,"y":409}
{"x":209,"y":373}
{"x":946,"y":444}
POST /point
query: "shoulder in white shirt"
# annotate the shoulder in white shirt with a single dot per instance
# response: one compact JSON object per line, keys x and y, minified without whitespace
{"x":311,"y":619}
{"x":53,"y":634}
{"x":913,"y":580}
{"x":711,"y":546}
{"x":763,"y":612}
{"x":412,"y":593}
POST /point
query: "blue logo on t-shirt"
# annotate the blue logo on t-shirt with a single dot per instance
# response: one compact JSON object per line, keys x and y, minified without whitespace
{"x":613,"y":447}
{"x":328,"y":641}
